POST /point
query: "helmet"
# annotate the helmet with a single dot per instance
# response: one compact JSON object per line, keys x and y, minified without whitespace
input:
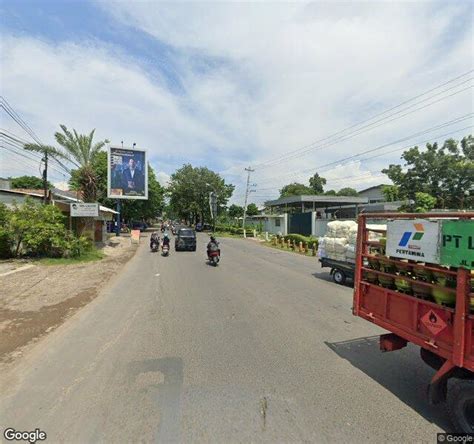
{"x":213,"y":238}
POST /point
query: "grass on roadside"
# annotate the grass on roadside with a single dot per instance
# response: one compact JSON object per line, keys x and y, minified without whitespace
{"x":225,"y":234}
{"x":277,"y":247}
{"x":89,"y":256}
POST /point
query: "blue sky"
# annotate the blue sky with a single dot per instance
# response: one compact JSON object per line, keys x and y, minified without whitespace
{"x":226,"y":85}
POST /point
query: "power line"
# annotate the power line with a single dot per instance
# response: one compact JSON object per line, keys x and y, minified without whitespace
{"x":376,"y":115}
{"x":28,"y":161}
{"x":361,"y":130}
{"x":32,"y":154}
{"x":448,"y":123}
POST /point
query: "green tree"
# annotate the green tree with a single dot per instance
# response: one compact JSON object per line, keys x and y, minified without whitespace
{"x":317,"y":183}
{"x":391,"y":193}
{"x":6,"y":239}
{"x":296,"y":189}
{"x":252,"y":209}
{"x":235,"y":211}
{"x":347,"y":192}
{"x":30,"y":182}
{"x":330,"y":193}
{"x":424,"y":202}
{"x":189,"y":189}
{"x":445,"y":172}
{"x":80,"y":150}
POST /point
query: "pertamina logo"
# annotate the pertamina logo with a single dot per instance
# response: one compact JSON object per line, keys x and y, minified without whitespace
{"x":416,"y":235}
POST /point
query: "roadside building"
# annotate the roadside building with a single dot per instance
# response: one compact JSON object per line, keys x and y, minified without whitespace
{"x":373,"y":194}
{"x":95,"y":228}
{"x":310,"y":214}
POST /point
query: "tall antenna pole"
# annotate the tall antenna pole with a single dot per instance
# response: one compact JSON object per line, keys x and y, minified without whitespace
{"x":247,"y":191}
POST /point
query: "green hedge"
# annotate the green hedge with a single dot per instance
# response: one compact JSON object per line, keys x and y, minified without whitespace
{"x":308,"y":240}
{"x":234,"y":230}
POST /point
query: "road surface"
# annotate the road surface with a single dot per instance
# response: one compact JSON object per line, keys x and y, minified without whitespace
{"x":263,"y":348}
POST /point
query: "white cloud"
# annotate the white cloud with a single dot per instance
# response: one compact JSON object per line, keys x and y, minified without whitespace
{"x":270,"y":78}
{"x":163,"y":178}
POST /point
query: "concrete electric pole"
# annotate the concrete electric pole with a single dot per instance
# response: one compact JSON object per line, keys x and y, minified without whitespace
{"x":247,"y":191}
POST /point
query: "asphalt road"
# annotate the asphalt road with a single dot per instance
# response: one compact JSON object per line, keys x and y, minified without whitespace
{"x":262,"y":348}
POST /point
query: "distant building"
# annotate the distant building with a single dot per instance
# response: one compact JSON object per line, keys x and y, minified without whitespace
{"x":5,"y":184}
{"x":374,"y":194}
{"x":309,"y":215}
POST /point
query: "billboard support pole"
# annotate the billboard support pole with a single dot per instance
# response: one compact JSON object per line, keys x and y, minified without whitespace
{"x":117,"y":227}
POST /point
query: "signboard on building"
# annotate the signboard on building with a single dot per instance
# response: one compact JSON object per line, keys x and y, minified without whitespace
{"x":416,"y":239}
{"x":127,"y":174}
{"x":84,"y":209}
{"x":457,"y":243}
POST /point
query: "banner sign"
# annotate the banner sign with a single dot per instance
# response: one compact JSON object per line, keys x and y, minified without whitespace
{"x":416,"y":239}
{"x":84,"y":209}
{"x":457,"y":245}
{"x":213,"y":204}
{"x":135,"y":236}
{"x":127,"y":174}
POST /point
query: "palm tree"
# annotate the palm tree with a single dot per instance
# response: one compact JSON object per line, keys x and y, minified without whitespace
{"x":81,"y":152}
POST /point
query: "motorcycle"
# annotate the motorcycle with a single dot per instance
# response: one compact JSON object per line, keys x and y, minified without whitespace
{"x":214,"y":255}
{"x":165,"y":250}
{"x":154,"y":247}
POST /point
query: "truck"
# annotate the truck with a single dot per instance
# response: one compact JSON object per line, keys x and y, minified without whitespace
{"x":418,"y":285}
{"x":340,"y":270}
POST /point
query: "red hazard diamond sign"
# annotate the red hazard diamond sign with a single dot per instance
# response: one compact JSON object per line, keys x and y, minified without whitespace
{"x":433,"y":322}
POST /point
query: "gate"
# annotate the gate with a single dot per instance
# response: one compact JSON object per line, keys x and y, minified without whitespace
{"x":299,"y":223}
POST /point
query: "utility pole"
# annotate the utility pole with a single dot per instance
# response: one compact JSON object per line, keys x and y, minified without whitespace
{"x":247,"y":191}
{"x":45,"y":178}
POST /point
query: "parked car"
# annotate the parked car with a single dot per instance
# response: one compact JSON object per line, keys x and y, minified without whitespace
{"x":142,"y":226}
{"x":199,"y":226}
{"x":185,"y":240}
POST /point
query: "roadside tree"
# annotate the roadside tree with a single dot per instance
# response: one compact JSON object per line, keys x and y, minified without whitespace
{"x":347,"y":192}
{"x":29,"y":182}
{"x":445,"y":172}
{"x":189,"y":189}
{"x":252,"y":209}
{"x":80,"y":150}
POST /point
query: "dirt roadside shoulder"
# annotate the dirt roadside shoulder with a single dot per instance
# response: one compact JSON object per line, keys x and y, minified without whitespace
{"x":36,"y":300}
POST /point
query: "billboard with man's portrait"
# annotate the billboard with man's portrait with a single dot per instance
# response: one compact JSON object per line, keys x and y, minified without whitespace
{"x":127,"y":174}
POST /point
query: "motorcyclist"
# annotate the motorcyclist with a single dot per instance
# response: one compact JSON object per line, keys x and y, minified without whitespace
{"x":166,"y":241}
{"x":212,"y":245}
{"x":154,"y":239}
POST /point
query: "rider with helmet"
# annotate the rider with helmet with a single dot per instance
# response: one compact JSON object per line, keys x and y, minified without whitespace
{"x":213,"y":245}
{"x":166,"y":240}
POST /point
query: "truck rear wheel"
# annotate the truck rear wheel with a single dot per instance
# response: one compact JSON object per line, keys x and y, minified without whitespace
{"x":338,"y":276}
{"x":460,"y":402}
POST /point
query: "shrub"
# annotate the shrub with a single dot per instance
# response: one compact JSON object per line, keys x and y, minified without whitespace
{"x":6,"y":243}
{"x":39,"y":230}
{"x":308,"y":240}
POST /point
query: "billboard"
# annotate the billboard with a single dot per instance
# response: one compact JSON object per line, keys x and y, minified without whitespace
{"x":457,"y":247}
{"x":127,"y":174}
{"x":414,"y":239}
